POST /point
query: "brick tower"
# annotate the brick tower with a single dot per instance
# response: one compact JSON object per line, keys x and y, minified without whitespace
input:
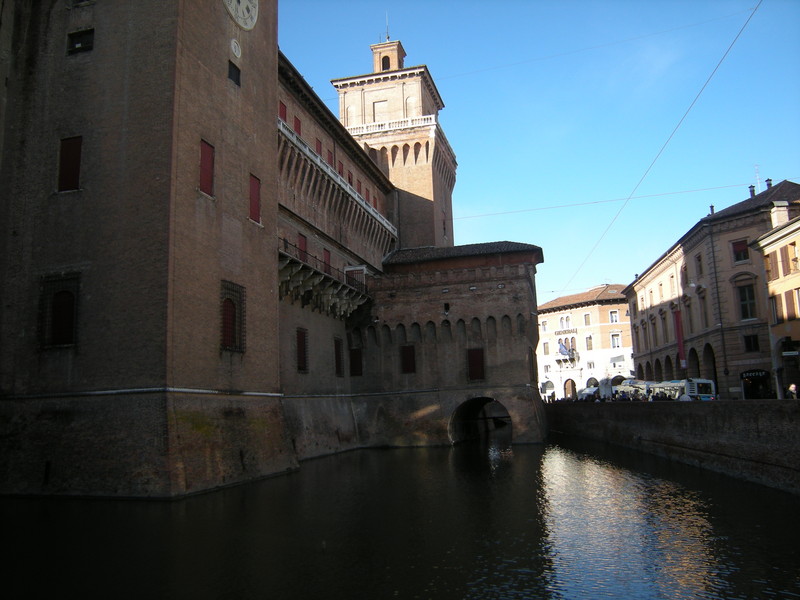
{"x":393,"y":112}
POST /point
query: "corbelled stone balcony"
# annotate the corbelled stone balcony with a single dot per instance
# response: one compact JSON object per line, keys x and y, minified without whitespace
{"x":308,"y":279}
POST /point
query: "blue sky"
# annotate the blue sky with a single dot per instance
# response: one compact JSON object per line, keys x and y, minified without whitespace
{"x":577,"y":124}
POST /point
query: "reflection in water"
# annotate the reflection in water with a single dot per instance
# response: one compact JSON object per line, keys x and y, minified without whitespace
{"x":477,"y":521}
{"x":611,"y":529}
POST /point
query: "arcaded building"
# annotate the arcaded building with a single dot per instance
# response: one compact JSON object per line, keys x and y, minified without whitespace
{"x":779,"y":249}
{"x":584,"y":339}
{"x":193,"y":255}
{"x":701,"y":309}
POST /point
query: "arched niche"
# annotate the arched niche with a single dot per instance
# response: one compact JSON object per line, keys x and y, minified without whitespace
{"x":461,"y":331}
{"x":430,"y":331}
{"x":505,"y":324}
{"x":491,"y":329}
{"x":447,"y":332}
{"x":475,"y":330}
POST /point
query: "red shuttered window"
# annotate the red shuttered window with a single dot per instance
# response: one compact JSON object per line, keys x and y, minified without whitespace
{"x":356,"y":365}
{"x":408,"y":359}
{"x":302,"y":350}
{"x":475,"y":366}
{"x":206,"y":168}
{"x":338,"y":356}
{"x":69,"y":164}
{"x":255,"y":199}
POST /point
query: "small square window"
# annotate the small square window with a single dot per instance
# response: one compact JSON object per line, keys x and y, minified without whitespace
{"x":740,"y":251}
{"x":80,"y":41}
{"x":234,"y":73}
{"x":751,"y":343}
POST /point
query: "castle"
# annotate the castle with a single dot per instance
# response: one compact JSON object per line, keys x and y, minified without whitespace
{"x":208,"y":277}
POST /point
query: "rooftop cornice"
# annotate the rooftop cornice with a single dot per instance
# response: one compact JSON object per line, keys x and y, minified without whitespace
{"x":384,"y":76}
{"x":588,"y":303}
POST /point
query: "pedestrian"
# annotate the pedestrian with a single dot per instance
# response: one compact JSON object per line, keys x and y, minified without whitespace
{"x":793,"y":391}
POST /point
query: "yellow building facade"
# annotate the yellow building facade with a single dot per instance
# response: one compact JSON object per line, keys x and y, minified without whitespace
{"x":782,"y":296}
{"x":700,"y":310}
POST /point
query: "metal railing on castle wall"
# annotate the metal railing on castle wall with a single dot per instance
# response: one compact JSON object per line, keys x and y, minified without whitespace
{"x":333,"y":174}
{"x":354,"y":279}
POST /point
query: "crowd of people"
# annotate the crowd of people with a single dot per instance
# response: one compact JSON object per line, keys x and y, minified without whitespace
{"x":623,"y":396}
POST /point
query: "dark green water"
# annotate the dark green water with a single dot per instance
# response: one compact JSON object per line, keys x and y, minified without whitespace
{"x":482,"y":522}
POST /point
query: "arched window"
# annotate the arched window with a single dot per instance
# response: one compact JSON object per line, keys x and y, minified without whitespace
{"x":232,"y":309}
{"x":385,"y":63}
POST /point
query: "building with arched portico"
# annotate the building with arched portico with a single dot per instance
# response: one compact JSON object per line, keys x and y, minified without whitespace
{"x":584,"y":339}
{"x":779,"y":249}
{"x":701,"y":310}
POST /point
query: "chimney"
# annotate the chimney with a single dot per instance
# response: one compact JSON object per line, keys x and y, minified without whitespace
{"x":711,"y":209}
{"x":752,"y":191}
{"x":779,"y":213}
{"x":769,"y":183}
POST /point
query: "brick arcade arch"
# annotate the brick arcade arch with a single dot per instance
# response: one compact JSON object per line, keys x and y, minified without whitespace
{"x":479,"y":419}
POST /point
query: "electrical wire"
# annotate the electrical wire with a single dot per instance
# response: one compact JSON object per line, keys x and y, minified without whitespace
{"x":663,"y":147}
{"x":590,"y":202}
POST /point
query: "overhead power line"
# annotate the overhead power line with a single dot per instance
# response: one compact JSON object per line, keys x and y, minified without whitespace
{"x":664,"y":146}
{"x":590,"y":202}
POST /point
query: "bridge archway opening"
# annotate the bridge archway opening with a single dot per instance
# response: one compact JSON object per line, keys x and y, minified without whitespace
{"x":480,"y":420}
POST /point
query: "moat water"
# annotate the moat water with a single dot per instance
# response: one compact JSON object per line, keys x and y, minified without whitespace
{"x":562,"y":521}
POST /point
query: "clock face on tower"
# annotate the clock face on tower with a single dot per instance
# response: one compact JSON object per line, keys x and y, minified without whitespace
{"x":244,"y":12}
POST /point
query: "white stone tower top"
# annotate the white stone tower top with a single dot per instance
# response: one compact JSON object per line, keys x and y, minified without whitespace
{"x":387,"y":56}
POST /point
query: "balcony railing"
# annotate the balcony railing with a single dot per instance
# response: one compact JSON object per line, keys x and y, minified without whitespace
{"x":355,"y":279}
{"x":333,"y":174}
{"x":392,"y":125}
{"x":387,"y":126}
